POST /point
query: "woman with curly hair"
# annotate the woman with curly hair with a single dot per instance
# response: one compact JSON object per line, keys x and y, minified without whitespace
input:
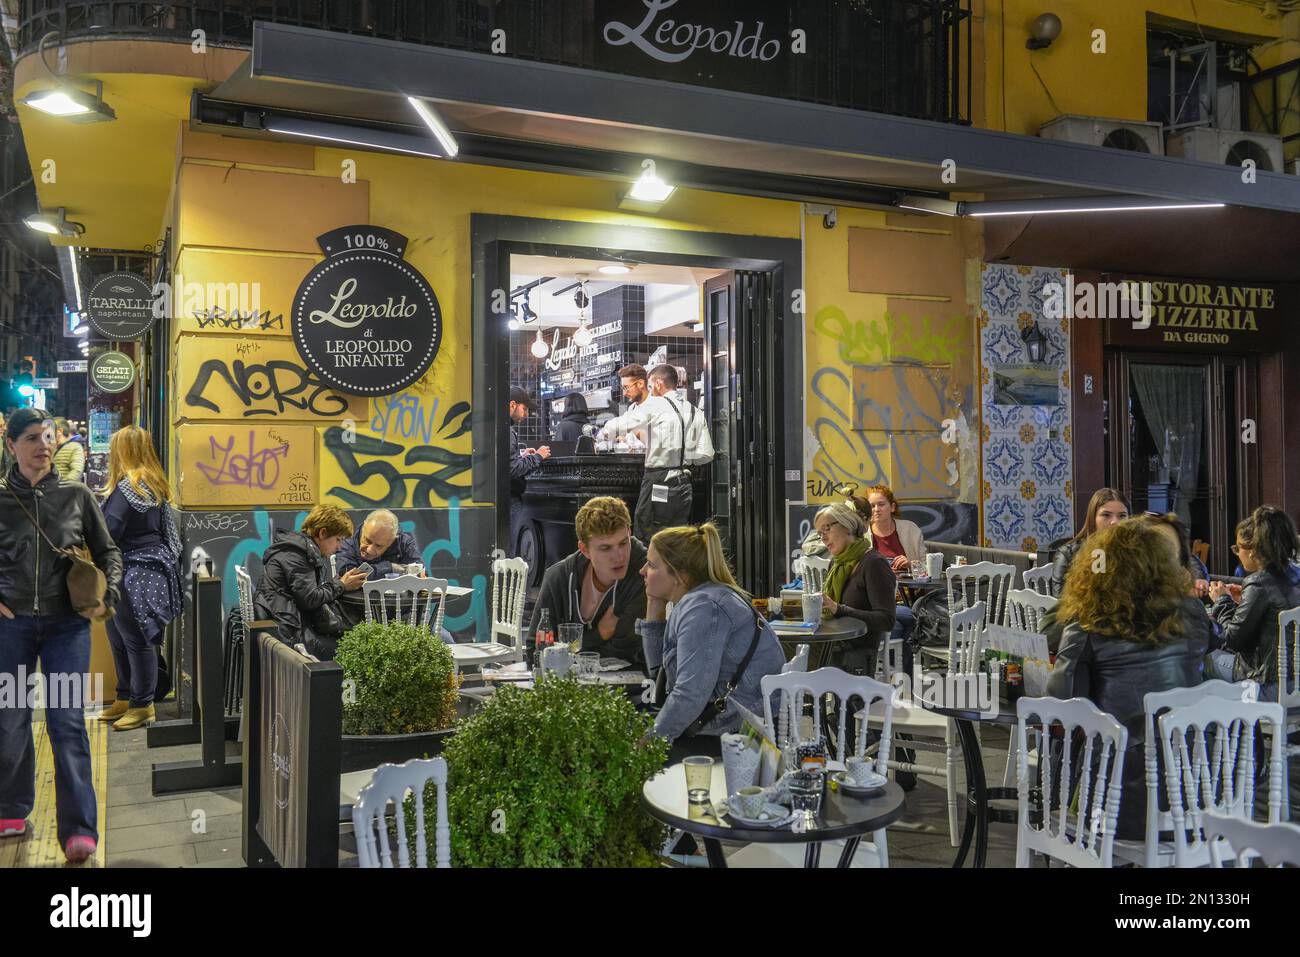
{"x":1128,"y":631}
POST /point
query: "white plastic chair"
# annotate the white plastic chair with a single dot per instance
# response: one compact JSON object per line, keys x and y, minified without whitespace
{"x":1079,"y":833}
{"x":1288,"y":677}
{"x":793,"y":687}
{"x":244,"y":585}
{"x":923,"y":727}
{"x":389,"y":785}
{"x":1220,"y":777}
{"x":1025,"y":609}
{"x":984,"y":582}
{"x":814,"y":569}
{"x":1276,"y":844}
{"x":1150,"y":852}
{"x":421,"y":593}
{"x":800,"y":660}
{"x":1038,"y":579}
{"x":509,"y":588}
{"x":334,"y":567}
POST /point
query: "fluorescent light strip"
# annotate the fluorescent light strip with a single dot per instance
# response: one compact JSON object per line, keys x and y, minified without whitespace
{"x":332,"y":138}
{"x":440,"y":131}
{"x":76,"y":279}
{"x":935,"y":212}
{"x":1097,"y":209}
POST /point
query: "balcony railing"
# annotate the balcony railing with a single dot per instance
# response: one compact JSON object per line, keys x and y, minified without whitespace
{"x":905,"y":57}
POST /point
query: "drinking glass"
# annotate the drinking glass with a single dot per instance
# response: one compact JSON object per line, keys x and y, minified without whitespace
{"x":812,"y":607}
{"x":571,"y":635}
{"x":588,"y":667}
{"x":699,"y":773}
{"x":806,"y":795}
{"x":917,"y":569}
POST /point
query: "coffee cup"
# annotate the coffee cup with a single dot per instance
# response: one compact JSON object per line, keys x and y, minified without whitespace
{"x":749,"y":801}
{"x":859,"y":769}
{"x":934,"y":564}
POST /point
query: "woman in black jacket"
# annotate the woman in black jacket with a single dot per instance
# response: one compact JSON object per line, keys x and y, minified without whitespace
{"x":38,"y":620}
{"x":1107,"y":507}
{"x":138,"y":513}
{"x":575,"y":417}
{"x":1129,"y":630}
{"x":297,"y":590}
{"x":1268,"y":549}
{"x":860,"y":584}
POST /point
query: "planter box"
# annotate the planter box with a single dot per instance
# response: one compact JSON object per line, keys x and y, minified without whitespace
{"x":364,"y":751}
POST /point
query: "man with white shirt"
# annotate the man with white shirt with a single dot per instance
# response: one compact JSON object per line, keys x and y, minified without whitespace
{"x":678,"y":438}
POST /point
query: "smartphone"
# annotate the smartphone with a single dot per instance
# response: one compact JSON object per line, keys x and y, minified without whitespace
{"x":366,"y":567}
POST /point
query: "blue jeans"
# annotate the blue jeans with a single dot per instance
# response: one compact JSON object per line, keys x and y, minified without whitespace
{"x":1222,"y":664}
{"x":904,"y":622}
{"x":62,"y":643}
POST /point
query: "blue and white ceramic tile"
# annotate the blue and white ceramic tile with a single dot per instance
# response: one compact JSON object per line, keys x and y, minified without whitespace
{"x":1004,"y":517}
{"x":1051,"y":462}
{"x":1004,"y":461}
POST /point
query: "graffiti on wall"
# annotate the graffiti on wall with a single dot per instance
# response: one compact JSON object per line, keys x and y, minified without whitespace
{"x":406,"y":461}
{"x":238,"y":465}
{"x":456,"y":544}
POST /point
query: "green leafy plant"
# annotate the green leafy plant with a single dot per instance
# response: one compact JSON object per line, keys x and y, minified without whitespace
{"x":552,"y":778}
{"x":403,"y":680}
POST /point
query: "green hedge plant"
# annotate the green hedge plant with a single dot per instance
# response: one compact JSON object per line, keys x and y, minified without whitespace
{"x":402,"y":680}
{"x":552,"y":777}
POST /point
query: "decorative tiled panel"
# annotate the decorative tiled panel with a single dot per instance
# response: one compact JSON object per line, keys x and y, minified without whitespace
{"x":1025,"y":449}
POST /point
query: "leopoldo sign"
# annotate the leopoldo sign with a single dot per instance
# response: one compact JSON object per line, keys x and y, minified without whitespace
{"x":364,"y":319}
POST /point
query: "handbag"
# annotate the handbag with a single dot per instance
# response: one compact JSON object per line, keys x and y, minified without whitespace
{"x":87,"y":583}
{"x":719,"y":704}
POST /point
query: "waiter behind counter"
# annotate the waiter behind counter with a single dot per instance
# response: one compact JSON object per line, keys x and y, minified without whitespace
{"x":600,"y":585}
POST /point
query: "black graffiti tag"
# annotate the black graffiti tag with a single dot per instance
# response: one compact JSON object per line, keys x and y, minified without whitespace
{"x":278,"y":381}
{"x":427,"y":485}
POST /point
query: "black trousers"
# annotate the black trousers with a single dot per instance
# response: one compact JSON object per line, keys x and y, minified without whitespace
{"x":650,"y":515}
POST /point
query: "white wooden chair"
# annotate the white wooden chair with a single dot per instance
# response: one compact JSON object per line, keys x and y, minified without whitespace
{"x":1220,"y":777}
{"x":1288,"y":681}
{"x":983,"y":582}
{"x":924,"y":728}
{"x":793,"y":687}
{"x":1025,"y":609}
{"x":334,"y":567}
{"x":1038,"y":579}
{"x":1079,"y":832}
{"x":509,"y":589}
{"x":244,"y":585}
{"x":420,"y":593}
{"x":1150,"y":852}
{"x":1275,"y":844}
{"x":800,"y":660}
{"x":814,"y":569}
{"x":389,"y":786}
{"x":889,"y":658}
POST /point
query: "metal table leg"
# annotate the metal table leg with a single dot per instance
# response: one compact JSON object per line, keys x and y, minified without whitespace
{"x":977,"y":811}
{"x":713,"y":850}
{"x":812,"y":855}
{"x":846,"y":855}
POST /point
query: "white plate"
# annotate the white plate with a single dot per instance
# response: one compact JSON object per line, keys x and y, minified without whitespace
{"x":777,"y":816}
{"x":614,"y":664}
{"x":877,"y":785}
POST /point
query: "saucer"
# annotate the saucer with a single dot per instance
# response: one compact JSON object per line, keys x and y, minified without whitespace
{"x":876,"y":785}
{"x":772,"y":815}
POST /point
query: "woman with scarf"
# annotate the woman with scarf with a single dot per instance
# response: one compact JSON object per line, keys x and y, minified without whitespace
{"x":140,"y":520}
{"x":860,"y":584}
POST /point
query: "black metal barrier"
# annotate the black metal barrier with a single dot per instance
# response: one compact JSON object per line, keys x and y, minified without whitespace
{"x":207,"y":724}
{"x":293,"y":706}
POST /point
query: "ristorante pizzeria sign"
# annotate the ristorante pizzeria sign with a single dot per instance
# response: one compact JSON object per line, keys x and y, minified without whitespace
{"x":364,"y":319}
{"x":1192,"y":315}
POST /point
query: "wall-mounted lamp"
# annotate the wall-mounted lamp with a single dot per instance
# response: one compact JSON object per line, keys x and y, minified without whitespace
{"x":65,"y":100}
{"x":1035,"y":343}
{"x":55,"y":223}
{"x":1045,"y":28}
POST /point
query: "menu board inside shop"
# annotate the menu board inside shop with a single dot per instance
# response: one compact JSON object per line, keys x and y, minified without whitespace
{"x":1195,"y":316}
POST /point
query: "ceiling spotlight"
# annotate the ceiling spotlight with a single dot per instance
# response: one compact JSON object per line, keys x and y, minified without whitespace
{"x":71,"y":104}
{"x":435,"y":123}
{"x":514,"y":325}
{"x":1045,"y":28}
{"x":539,"y":347}
{"x":54,"y":223}
{"x":615,"y":269}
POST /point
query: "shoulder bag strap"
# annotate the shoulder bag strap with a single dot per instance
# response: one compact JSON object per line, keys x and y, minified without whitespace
{"x":744,"y":662}
{"x":30,"y":518}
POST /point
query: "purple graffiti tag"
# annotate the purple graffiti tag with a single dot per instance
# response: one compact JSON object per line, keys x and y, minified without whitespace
{"x":260,"y":468}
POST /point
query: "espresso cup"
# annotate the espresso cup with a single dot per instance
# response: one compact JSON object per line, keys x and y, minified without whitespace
{"x":859,"y":769}
{"x":749,"y":801}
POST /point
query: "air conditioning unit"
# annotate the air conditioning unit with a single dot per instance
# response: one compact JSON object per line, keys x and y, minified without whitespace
{"x":1104,"y":131}
{"x":1231,"y":147}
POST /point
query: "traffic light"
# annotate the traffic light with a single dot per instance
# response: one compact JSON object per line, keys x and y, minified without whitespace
{"x":22,"y":382}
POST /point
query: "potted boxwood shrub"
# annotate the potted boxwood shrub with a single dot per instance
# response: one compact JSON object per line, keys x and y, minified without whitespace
{"x":551,"y":778}
{"x":401,"y":697}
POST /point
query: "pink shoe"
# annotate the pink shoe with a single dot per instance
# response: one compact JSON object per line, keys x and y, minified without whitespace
{"x":13,"y":827}
{"x":79,"y":847}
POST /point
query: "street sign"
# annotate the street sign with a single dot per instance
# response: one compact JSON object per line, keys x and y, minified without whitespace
{"x":72,"y":365}
{"x":51,"y":383}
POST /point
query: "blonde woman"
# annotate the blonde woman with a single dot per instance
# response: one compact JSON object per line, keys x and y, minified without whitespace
{"x":139,"y":518}
{"x":714,"y":639}
{"x":297,"y":590}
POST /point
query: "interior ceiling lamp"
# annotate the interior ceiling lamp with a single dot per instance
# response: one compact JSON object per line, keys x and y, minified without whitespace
{"x":1045,"y":28}
{"x":55,"y":223}
{"x":649,"y":192}
{"x":615,"y":269}
{"x":64,"y":99}
{"x":582,"y":337}
{"x":435,"y":123}
{"x":539,"y":347}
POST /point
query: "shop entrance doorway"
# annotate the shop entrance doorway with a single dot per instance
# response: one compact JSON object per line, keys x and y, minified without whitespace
{"x":725,"y":333}
{"x":1181,"y":438}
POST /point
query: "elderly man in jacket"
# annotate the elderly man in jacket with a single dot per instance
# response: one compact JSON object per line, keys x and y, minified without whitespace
{"x":379,"y":543}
